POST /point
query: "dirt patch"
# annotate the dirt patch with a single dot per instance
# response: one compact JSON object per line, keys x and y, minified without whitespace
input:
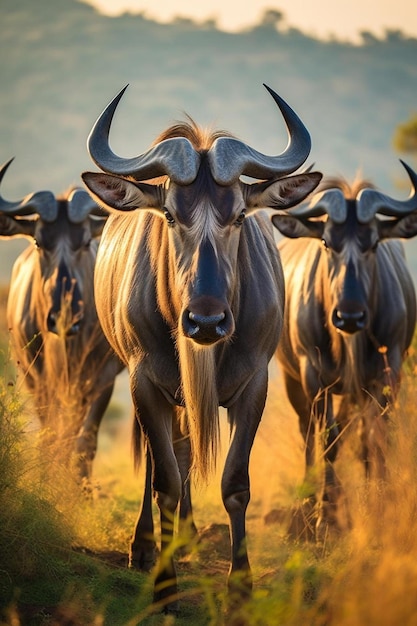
{"x":215,"y":541}
{"x":113,"y":558}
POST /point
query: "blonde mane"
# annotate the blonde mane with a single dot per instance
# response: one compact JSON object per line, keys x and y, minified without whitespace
{"x":201,"y":138}
{"x":349,"y":190}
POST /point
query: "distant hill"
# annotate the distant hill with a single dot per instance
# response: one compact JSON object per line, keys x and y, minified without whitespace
{"x":62,"y":62}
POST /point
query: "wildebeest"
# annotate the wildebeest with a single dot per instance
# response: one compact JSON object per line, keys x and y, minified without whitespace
{"x":67,"y":363}
{"x":189,"y":291}
{"x":350,"y":313}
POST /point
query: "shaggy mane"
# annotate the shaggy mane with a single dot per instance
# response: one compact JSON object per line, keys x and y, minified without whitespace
{"x":349,"y":190}
{"x":201,"y":138}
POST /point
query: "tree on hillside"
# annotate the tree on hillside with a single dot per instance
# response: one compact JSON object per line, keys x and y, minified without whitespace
{"x":405,"y":141}
{"x":405,"y":136}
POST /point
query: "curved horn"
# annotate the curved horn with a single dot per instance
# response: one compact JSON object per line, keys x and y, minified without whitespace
{"x":370,"y":201}
{"x":330,"y":201}
{"x":80,"y":205}
{"x":174,"y":157}
{"x":231,"y":158}
{"x":41,"y":202}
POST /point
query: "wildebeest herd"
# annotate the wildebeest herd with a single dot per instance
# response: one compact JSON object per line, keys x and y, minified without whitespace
{"x":194,"y":297}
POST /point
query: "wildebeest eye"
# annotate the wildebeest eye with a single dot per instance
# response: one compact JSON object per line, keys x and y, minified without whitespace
{"x":169,"y":217}
{"x":240,"y":218}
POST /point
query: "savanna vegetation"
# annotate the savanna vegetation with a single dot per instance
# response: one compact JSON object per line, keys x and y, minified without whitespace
{"x":64,"y":556}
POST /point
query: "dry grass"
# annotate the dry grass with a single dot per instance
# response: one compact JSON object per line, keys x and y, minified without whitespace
{"x":364,"y":576}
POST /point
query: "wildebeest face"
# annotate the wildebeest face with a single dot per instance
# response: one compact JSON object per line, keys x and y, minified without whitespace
{"x":204,"y":223}
{"x":349,"y":253}
{"x":350,"y":247}
{"x":62,"y":252}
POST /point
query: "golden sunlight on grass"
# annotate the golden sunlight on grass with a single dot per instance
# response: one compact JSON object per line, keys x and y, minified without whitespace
{"x":363,"y":576}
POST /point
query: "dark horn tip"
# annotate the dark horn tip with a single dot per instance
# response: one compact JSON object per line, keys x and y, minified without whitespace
{"x":111,"y":107}
{"x":272,"y":92}
{"x":407,"y":167}
{"x":280,"y":101}
{"x":117,"y":98}
{"x":7,"y":163}
{"x":309,"y":169}
{"x":5,"y":167}
{"x":411,"y":173}
{"x":287,"y":111}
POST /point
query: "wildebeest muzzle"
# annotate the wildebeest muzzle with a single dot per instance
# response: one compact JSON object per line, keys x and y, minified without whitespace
{"x":207,"y":320}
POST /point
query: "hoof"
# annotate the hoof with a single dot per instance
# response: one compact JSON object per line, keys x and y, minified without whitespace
{"x":143,"y":560}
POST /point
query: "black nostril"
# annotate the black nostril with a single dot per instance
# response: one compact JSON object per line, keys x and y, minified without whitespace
{"x":349,"y":322}
{"x":205,"y":328}
{"x":207,"y":320}
{"x":206,"y":325}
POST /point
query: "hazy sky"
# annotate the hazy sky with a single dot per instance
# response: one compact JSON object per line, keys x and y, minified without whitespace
{"x":322,"y":18}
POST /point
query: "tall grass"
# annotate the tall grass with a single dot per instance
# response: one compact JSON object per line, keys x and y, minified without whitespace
{"x":365,"y":576}
{"x":31,"y":539}
{"x":45,"y":575}
{"x":63,"y":558}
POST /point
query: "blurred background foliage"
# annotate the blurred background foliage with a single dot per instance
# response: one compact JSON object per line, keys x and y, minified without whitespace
{"x":63,"y":61}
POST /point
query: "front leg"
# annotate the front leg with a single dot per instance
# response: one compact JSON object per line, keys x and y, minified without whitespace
{"x":182,"y":448}
{"x":142,"y":554}
{"x":373,"y":433}
{"x":329,"y":492}
{"x":319,"y":430}
{"x":244,"y":416}
{"x":375,"y":418}
{"x":155,"y":415}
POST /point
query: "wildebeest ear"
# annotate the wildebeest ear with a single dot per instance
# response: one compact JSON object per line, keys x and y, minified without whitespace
{"x":12,"y":227}
{"x":284,"y":192}
{"x":295,"y":227}
{"x":113,"y":192}
{"x":405,"y":227}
